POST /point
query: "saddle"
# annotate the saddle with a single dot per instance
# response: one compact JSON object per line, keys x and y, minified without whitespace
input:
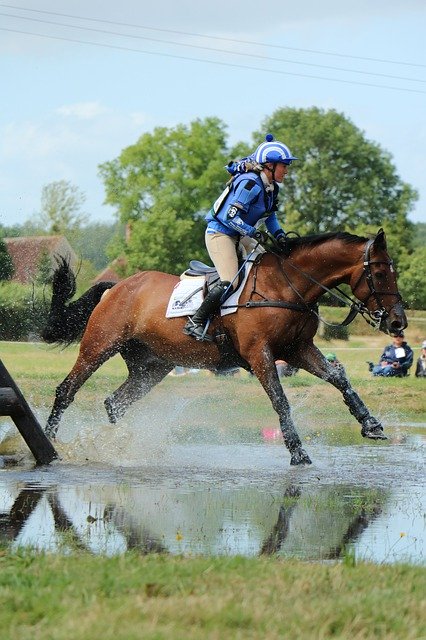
{"x":211,"y":277}
{"x":229,"y":356}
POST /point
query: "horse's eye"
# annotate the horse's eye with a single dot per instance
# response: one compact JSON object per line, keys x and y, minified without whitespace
{"x":380,"y":275}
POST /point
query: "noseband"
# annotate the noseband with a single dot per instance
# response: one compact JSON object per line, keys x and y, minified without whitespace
{"x":379,"y":315}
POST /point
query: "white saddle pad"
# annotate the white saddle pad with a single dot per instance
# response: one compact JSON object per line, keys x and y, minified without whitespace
{"x":185,"y":298}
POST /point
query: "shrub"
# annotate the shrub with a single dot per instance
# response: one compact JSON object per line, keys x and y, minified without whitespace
{"x":23,"y":311}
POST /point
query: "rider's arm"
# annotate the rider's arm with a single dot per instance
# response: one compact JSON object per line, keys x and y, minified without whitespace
{"x":274,"y":226}
{"x":385,"y":358}
{"x":246,"y":194}
{"x":271,"y":221}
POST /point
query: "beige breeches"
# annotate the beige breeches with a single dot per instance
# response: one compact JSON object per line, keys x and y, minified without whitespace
{"x":223,"y":253}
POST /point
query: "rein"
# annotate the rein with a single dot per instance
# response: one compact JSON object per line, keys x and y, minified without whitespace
{"x":374,"y":318}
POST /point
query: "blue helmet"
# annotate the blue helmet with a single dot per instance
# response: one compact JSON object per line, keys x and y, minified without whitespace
{"x":272,"y":151}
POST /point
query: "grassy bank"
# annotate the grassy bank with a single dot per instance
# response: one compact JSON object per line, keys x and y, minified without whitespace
{"x":38,"y":369}
{"x":132,"y":597}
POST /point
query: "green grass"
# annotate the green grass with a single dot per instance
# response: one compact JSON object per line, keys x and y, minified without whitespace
{"x":83,"y":597}
{"x":156,"y":597}
{"x":38,"y":369}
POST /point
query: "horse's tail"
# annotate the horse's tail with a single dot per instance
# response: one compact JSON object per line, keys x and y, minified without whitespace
{"x":66,"y":322}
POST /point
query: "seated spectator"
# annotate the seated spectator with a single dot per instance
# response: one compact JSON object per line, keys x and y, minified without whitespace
{"x":396,"y":359}
{"x":421,"y":362}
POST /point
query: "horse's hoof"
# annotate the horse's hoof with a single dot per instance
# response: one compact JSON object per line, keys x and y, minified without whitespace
{"x":373,"y":429}
{"x":300,"y":457}
{"x":50,"y":432}
{"x":374,"y":433}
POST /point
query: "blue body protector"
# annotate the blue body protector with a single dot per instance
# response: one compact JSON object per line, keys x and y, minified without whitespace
{"x":244,"y":205}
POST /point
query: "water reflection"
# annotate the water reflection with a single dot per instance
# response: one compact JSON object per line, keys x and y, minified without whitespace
{"x":222,"y":499}
{"x":310,"y":524}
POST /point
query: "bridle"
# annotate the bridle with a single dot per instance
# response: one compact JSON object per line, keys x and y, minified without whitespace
{"x":379,"y":315}
{"x":374,"y":318}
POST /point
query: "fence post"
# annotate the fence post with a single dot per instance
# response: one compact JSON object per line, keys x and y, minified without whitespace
{"x":13,"y":404}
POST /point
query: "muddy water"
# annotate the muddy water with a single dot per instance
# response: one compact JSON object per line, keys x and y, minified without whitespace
{"x":212,"y":496}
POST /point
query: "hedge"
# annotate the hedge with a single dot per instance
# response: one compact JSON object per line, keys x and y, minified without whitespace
{"x":23,"y":311}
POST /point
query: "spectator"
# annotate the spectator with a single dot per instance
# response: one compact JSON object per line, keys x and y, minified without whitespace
{"x":421,"y":362}
{"x":395,"y":360}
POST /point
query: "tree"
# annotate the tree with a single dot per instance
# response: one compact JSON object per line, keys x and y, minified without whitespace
{"x":91,"y":241}
{"x":341,"y":180}
{"x":6,"y":264}
{"x":420,"y":234}
{"x":166,"y":248}
{"x":61,"y":204}
{"x":164,"y":185}
{"x":412,"y":278}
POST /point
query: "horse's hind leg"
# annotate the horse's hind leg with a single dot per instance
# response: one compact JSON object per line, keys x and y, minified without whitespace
{"x":145,"y":371}
{"x":312,"y":360}
{"x":88,"y":361}
{"x":263,"y":365}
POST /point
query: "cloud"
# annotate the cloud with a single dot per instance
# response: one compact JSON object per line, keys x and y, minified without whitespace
{"x":67,"y":143}
{"x":82,"y":110}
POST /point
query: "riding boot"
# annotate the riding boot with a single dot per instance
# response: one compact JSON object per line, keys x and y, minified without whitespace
{"x":211,"y":303}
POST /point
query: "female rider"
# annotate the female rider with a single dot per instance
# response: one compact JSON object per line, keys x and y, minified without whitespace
{"x":250,"y":199}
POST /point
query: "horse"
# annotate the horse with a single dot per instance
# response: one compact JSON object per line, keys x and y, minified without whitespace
{"x":277,"y":318}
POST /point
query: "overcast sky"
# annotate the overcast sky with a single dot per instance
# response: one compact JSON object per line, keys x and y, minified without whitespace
{"x":72,"y":98}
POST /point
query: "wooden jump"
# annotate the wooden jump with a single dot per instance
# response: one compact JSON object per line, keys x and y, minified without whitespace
{"x":13,"y":404}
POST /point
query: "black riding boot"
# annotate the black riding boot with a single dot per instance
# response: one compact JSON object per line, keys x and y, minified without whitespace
{"x":211,"y":303}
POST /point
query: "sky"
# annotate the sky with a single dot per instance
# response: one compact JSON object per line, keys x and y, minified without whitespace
{"x":81,"y":80}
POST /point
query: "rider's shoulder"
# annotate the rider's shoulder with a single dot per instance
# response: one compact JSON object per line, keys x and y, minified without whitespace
{"x":249,"y":181}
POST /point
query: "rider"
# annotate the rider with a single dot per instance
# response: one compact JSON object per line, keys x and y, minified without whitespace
{"x":250,"y":198}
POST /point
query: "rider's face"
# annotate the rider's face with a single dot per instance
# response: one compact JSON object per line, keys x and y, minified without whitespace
{"x":281,"y":171}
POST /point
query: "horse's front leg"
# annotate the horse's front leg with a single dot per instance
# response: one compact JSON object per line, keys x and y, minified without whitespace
{"x":263,"y":366}
{"x":310,"y":358}
{"x":88,"y":361}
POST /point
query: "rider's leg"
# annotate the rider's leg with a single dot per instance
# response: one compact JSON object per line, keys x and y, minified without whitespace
{"x":211,"y":303}
{"x":222,"y":251}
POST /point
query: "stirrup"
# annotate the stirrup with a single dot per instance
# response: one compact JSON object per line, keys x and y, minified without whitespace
{"x":197,"y":331}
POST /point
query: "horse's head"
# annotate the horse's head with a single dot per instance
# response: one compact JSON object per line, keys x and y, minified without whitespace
{"x":376,"y":286}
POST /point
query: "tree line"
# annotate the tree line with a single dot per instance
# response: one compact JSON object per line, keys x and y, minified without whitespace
{"x":162,"y":186}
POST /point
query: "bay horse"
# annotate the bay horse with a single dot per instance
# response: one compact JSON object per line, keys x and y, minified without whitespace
{"x":277,"y":318}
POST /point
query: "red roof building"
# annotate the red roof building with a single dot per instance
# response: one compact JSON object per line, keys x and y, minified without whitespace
{"x":28,"y":252}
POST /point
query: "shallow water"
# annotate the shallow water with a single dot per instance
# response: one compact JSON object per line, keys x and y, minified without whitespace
{"x":220,"y":494}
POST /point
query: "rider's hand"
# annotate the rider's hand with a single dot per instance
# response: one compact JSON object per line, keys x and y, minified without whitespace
{"x":283,"y":245}
{"x":259,"y":236}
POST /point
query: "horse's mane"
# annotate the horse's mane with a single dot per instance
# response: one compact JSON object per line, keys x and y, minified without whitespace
{"x":318,"y":238}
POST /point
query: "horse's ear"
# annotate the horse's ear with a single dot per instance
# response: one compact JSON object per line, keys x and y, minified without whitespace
{"x":380,"y":240}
